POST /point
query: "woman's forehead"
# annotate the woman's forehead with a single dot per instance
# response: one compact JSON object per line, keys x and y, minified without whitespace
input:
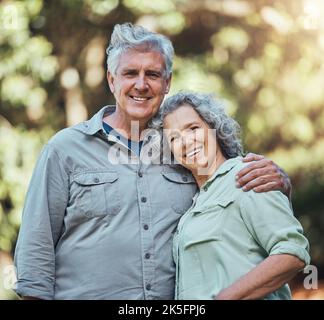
{"x":182,"y":117}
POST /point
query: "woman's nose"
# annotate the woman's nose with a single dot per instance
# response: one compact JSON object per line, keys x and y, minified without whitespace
{"x":187,"y":141}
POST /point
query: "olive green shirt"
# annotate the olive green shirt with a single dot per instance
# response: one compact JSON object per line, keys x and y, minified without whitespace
{"x":227,"y":232}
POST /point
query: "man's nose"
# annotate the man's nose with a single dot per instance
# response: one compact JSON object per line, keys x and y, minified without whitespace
{"x":141,"y":83}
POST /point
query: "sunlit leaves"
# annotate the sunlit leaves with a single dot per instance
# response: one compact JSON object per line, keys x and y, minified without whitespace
{"x":18,"y":153}
{"x":148,"y":6}
{"x":231,"y":38}
{"x":14,"y":88}
{"x":102,"y":7}
{"x":26,"y":62}
{"x":172,"y":22}
{"x":191,"y":75}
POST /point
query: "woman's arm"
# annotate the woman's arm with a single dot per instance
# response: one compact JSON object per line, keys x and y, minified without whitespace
{"x":268,"y":276}
{"x":269,"y":219}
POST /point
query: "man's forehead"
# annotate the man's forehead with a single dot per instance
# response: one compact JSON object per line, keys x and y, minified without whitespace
{"x":134,"y":59}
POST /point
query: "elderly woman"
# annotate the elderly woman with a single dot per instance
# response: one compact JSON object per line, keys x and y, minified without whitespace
{"x":230,"y":244}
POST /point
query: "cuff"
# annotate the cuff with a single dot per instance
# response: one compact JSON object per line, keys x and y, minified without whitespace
{"x":24,"y":290}
{"x":292,"y":249}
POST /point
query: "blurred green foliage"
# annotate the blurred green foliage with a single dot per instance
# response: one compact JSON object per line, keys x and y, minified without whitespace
{"x":265,"y":57}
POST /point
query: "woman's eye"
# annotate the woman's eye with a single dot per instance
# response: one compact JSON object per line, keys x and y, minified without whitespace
{"x":194,"y":128}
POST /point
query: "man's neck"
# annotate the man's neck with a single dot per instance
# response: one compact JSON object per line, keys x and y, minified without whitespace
{"x":129,"y":128}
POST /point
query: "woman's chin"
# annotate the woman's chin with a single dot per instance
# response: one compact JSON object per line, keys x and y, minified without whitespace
{"x":197,"y":165}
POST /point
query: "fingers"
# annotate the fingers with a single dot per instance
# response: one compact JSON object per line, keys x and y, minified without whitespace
{"x":256,"y":173}
{"x":256,"y":165}
{"x":265,"y":183}
{"x":252,"y":157}
{"x":262,"y":175}
{"x":270,"y":186}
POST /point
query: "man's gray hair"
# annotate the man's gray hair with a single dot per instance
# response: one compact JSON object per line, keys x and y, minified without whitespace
{"x":212,"y":111}
{"x":127,"y":36}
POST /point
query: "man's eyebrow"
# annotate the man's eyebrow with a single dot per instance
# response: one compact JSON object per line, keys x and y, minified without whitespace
{"x":128,"y":70}
{"x":159,"y":72}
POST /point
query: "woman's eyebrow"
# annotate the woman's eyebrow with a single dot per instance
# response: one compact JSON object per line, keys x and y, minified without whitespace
{"x":190,"y":124}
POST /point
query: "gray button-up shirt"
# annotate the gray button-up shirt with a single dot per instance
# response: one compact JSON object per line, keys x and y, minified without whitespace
{"x":97,"y":228}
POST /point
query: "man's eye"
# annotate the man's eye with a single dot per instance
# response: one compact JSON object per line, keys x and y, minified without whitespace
{"x":153,"y":75}
{"x":129,"y":74}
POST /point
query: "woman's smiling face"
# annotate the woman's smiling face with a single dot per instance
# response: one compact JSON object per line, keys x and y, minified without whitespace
{"x":191,"y":140}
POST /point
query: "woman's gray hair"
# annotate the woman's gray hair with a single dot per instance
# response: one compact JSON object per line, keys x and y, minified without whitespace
{"x":212,"y":111}
{"x":127,"y":36}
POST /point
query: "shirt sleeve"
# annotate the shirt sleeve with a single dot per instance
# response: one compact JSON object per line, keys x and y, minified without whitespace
{"x":42,"y":222}
{"x":271,"y":222}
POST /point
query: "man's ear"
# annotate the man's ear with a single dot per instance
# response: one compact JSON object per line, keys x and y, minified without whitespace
{"x":168,"y":82}
{"x":110,"y":79}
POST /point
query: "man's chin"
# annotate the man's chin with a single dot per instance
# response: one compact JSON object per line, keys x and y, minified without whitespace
{"x":141,"y":114}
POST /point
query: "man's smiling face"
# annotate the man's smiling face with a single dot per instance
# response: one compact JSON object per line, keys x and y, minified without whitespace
{"x":140,"y":84}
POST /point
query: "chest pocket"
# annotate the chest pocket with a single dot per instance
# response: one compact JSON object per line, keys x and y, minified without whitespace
{"x":97,"y":194}
{"x":181,"y":187}
{"x":207,"y":224}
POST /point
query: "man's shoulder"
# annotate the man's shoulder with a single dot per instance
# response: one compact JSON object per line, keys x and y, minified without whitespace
{"x":67,"y":136}
{"x":80,"y":130}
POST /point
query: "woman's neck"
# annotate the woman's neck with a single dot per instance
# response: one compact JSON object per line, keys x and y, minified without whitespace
{"x":201,"y":175}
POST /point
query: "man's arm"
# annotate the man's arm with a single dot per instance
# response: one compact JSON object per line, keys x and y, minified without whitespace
{"x":263,"y":175}
{"x":42,"y":222}
{"x":267,"y":277}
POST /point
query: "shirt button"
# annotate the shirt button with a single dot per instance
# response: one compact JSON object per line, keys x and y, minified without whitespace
{"x":145,"y":227}
{"x":205,"y":188}
{"x":143,"y":199}
{"x":184,"y":179}
{"x":96,"y":180}
{"x":148,"y":287}
{"x":140,"y":174}
{"x":147,"y":256}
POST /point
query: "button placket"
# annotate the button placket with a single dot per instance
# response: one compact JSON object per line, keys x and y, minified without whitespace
{"x":146,"y":234}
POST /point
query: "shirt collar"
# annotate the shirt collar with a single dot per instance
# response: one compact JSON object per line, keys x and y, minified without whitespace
{"x":224,"y":168}
{"x":93,"y":125}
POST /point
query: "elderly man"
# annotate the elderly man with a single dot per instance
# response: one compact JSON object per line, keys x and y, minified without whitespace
{"x":94,"y":228}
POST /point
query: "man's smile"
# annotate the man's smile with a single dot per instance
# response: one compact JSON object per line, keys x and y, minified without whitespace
{"x":140,"y":99}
